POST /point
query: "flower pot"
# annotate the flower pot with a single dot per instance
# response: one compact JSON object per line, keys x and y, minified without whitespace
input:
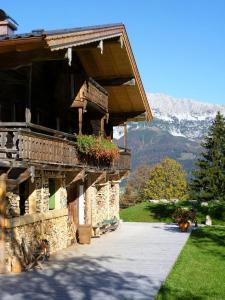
{"x":184,"y":226}
{"x":84,"y":234}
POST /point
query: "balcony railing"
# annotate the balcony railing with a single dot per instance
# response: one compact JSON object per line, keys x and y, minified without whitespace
{"x":124,"y":161}
{"x":48,"y":146}
{"x":91,"y":91}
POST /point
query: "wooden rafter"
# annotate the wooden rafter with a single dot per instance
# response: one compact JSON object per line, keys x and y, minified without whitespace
{"x":13,"y":59}
{"x":116,"y":81}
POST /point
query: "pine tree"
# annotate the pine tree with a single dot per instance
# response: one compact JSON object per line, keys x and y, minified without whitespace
{"x":208,"y":182}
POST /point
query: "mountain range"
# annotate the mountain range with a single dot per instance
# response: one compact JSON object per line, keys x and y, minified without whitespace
{"x":178,"y":127}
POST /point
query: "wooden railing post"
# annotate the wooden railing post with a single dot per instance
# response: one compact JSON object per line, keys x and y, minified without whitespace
{"x":125,"y":135}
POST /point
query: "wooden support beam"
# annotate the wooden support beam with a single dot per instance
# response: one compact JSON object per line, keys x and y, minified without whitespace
{"x":102,"y":125}
{"x":14,"y":59}
{"x":100,"y":46}
{"x":121,"y":41}
{"x":77,"y":104}
{"x":27,"y":115}
{"x":104,"y":119}
{"x":69,"y":56}
{"x":114,"y":176}
{"x":101,"y":178}
{"x":116,"y":81}
{"x":118,"y":118}
{"x":13,"y":183}
{"x":80,"y":114}
{"x":78,"y":176}
{"x":125,"y":135}
{"x":123,"y":174}
{"x":117,"y":41}
{"x":29,"y":91}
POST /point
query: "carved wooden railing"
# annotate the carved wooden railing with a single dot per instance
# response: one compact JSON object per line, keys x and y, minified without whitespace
{"x":41,"y":148}
{"x":91,"y":91}
{"x":25,"y":145}
{"x":124,"y":161}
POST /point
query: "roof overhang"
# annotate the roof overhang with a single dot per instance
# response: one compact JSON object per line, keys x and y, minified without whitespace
{"x":104,"y":52}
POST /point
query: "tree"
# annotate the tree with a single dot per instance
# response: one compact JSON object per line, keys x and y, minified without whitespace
{"x":167,"y":181}
{"x":208,"y":180}
{"x":135,"y":185}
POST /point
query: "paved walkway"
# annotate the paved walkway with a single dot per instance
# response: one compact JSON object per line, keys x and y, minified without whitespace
{"x":128,"y":264}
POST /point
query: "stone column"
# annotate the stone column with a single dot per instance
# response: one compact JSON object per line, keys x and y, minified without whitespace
{"x":89,"y":193}
{"x":107,"y":198}
{"x":114,"y":199}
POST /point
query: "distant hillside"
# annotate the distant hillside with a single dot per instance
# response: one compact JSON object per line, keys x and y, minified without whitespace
{"x":178,"y":128}
{"x":151,"y":144}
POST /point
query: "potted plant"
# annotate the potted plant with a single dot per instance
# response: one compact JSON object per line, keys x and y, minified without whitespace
{"x":183,"y":218}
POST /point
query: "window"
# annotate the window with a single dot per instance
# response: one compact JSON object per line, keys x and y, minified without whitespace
{"x":52,"y":191}
{"x":24,"y":194}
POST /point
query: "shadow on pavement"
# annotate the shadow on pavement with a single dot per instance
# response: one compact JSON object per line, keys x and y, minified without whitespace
{"x":77,"y":278}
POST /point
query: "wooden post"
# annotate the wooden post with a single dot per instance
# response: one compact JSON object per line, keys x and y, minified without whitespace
{"x":28,"y":106}
{"x":58,"y":123}
{"x":3,"y":179}
{"x":80,"y":113}
{"x":102,"y":125}
{"x":125,"y":135}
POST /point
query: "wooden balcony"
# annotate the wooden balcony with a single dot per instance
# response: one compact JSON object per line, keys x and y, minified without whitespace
{"x":124,"y":161}
{"x":92,"y":92}
{"x":25,"y":144}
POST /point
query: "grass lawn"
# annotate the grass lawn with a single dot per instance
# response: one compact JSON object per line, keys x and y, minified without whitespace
{"x":199,"y":272}
{"x":147,"y":212}
{"x":162,"y":212}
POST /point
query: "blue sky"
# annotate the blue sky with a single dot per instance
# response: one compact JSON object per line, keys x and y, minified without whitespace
{"x":179,"y":45}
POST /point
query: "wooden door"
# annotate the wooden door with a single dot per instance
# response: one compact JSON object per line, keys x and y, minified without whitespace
{"x":73,"y":202}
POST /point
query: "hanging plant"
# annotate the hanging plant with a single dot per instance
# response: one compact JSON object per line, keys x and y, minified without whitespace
{"x":97,"y":147}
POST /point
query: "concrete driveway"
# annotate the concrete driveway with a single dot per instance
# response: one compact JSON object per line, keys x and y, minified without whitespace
{"x":128,"y":264}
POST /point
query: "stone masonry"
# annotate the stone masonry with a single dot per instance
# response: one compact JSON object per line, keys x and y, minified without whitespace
{"x":39,"y":222}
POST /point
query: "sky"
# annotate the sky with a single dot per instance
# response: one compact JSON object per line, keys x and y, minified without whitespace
{"x":179,"y":45}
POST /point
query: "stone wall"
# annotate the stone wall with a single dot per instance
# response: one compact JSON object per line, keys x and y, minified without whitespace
{"x":101,"y":203}
{"x":38,"y":222}
{"x":53,"y":226}
{"x":105,"y":201}
{"x":37,"y":202}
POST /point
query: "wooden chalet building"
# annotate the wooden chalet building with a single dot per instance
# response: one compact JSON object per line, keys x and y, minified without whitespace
{"x":55,"y":86}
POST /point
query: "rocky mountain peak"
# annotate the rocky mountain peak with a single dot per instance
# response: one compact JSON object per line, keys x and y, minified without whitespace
{"x":168,"y":107}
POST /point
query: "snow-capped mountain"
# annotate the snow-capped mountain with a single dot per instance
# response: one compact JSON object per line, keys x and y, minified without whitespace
{"x":177,"y":129}
{"x":183,"y":117}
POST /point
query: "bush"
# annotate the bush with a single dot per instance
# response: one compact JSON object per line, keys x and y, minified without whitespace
{"x":217,"y":210}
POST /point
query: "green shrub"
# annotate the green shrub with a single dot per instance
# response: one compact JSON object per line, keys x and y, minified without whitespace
{"x":217,"y":210}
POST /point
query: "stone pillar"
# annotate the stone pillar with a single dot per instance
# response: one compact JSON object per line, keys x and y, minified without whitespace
{"x":117,"y":200}
{"x":94,"y":205}
{"x":114,"y":199}
{"x":107,"y":197}
{"x":89,"y":198}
